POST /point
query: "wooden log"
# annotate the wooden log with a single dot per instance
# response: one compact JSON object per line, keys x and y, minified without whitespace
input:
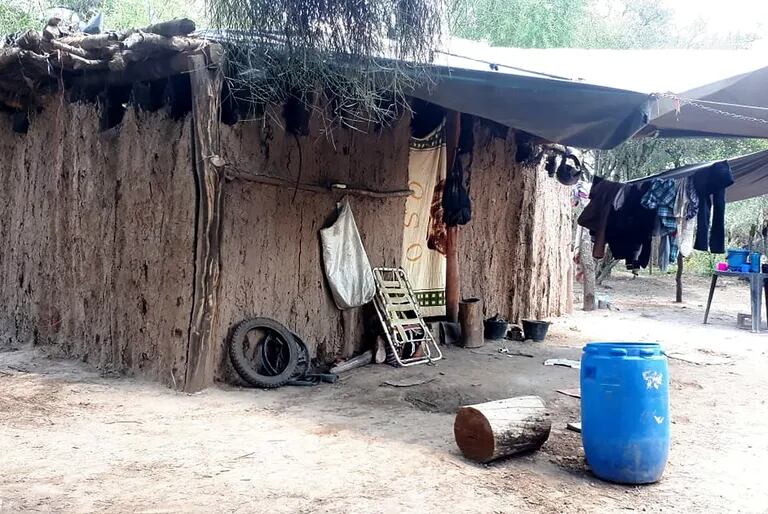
{"x":471,"y":321}
{"x":95,"y":42}
{"x":177,"y":27}
{"x":143,"y":40}
{"x":493,"y":430}
{"x":361,"y":360}
{"x":206,"y":94}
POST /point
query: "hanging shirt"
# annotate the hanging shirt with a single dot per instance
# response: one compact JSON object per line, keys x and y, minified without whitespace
{"x":662,"y":196}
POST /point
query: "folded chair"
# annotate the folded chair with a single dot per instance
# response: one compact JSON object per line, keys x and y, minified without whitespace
{"x":408,"y":337}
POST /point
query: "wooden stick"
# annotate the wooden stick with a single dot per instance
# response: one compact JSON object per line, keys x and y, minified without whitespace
{"x":679,"y":279}
{"x":178,"y":27}
{"x":237,"y":174}
{"x":363,"y":359}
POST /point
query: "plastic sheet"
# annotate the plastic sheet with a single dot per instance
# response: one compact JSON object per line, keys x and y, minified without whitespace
{"x":346,"y":263}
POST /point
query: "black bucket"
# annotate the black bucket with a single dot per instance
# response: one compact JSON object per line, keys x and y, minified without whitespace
{"x":535,"y":330}
{"x":495,"y":329}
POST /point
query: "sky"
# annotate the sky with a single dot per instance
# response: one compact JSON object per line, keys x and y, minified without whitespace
{"x":723,"y":15}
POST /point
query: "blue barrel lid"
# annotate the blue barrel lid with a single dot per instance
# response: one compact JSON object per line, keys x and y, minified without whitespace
{"x":624,"y":349}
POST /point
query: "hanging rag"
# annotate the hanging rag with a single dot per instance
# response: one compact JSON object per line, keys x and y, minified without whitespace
{"x":618,"y":202}
{"x":630,"y":229}
{"x":710,"y":187}
{"x":686,"y":236}
{"x":457,"y":207}
{"x":664,"y":253}
{"x":662,"y":196}
{"x":595,"y":215}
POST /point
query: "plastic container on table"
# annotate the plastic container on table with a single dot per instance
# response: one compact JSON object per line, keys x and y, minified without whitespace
{"x":625,"y":411}
{"x":746,"y":268}
{"x":736,"y":258}
{"x":754,"y":262}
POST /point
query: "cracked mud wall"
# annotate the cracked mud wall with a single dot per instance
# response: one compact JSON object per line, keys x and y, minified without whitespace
{"x":96,"y":238}
{"x":271,"y":262}
{"x":515,"y":253}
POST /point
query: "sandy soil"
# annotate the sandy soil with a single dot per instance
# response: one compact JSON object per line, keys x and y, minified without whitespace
{"x":74,"y":441}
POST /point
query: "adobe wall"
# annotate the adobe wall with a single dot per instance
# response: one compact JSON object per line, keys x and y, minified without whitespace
{"x":515,"y":253}
{"x":96,"y":238}
{"x":271,"y":256}
{"x":97,"y":235}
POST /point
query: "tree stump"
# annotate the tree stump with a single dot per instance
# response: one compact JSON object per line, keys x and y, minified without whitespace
{"x":492,"y":430}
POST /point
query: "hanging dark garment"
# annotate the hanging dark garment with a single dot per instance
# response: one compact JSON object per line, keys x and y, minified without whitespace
{"x":594,"y":217}
{"x":457,"y":207}
{"x":710,"y":186}
{"x":630,"y":228}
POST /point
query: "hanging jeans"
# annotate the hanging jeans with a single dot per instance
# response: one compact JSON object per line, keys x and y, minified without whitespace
{"x":711,"y":237}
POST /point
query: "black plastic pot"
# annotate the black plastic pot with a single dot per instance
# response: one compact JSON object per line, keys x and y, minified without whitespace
{"x":495,"y":329}
{"x":535,"y":330}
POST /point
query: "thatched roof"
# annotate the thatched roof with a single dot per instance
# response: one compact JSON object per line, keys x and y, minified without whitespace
{"x":34,"y":64}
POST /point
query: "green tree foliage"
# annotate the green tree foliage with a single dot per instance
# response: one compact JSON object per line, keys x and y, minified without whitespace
{"x":118,"y":14}
{"x":14,"y":17}
{"x":519,"y":23}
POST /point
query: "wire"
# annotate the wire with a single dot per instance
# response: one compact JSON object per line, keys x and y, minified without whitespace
{"x":494,"y":66}
{"x":700,"y":105}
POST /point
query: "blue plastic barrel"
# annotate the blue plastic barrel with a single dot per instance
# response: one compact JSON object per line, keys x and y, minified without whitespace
{"x":625,"y":411}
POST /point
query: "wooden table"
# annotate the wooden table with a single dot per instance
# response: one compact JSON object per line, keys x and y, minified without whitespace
{"x":756,"y":285}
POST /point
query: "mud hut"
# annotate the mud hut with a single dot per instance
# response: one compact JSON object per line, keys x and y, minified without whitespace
{"x":138,"y":227}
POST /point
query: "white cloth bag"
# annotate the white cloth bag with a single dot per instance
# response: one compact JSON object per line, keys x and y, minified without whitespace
{"x":346,"y":263}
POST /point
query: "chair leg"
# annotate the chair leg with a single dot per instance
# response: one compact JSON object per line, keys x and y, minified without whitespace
{"x":709,"y":300}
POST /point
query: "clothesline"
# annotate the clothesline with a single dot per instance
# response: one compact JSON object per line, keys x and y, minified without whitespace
{"x":750,"y":175}
{"x":686,"y":212}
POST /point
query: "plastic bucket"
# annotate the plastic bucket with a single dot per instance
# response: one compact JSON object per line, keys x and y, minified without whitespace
{"x":495,"y":329}
{"x":535,"y":330}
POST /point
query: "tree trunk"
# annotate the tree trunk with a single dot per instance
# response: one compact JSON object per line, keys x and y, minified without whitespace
{"x":492,"y":430}
{"x":588,"y":265}
{"x":679,"y":279}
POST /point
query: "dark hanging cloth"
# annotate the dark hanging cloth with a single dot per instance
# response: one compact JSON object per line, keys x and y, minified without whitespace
{"x":457,"y":207}
{"x":710,"y":187}
{"x":594,"y":217}
{"x":630,"y":229}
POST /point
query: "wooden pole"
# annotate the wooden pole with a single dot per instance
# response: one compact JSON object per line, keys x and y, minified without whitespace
{"x":679,"y":279}
{"x":452,"y":276}
{"x":206,"y":89}
{"x":492,"y":430}
{"x":589,"y":266}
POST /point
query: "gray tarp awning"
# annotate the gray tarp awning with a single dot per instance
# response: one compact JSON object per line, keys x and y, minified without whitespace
{"x":567,"y":112}
{"x":732,"y":107}
{"x":750,"y":175}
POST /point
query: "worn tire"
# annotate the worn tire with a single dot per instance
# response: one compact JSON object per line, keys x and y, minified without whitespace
{"x":245,"y":367}
{"x":303,"y":362}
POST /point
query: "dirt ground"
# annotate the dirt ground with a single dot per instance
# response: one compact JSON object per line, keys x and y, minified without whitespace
{"x":75,"y":441}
